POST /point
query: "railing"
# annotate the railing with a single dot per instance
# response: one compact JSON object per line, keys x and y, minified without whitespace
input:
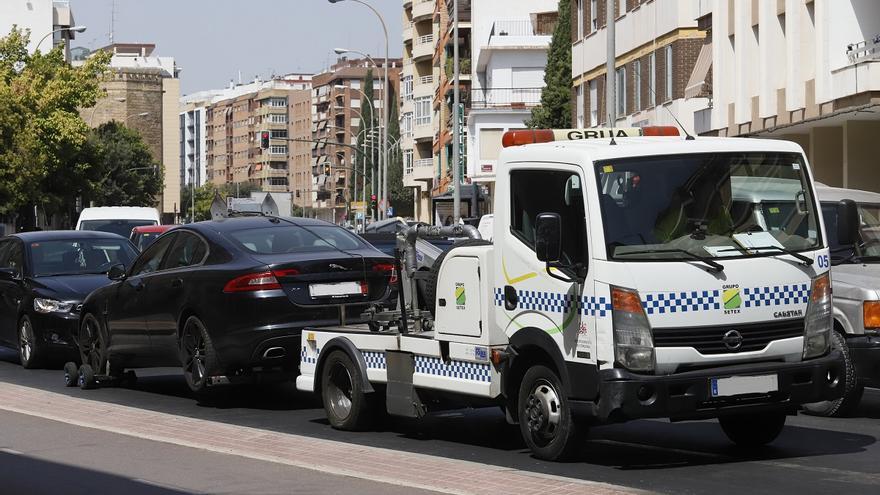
{"x":425,"y":39}
{"x":864,"y":51}
{"x":426,"y":80}
{"x":424,"y":162}
{"x":506,"y":97}
{"x":523,"y":27}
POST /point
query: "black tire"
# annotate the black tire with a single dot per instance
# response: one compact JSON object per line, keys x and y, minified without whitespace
{"x":86,"y":377}
{"x":852,"y":389}
{"x":347,"y":406}
{"x":545,"y":419}
{"x":31,"y":352}
{"x":753,"y":430}
{"x":430,"y":286}
{"x":92,"y":344}
{"x":71,"y":374}
{"x":197,"y":355}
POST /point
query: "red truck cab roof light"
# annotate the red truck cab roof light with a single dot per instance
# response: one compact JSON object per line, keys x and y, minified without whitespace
{"x":520,"y":137}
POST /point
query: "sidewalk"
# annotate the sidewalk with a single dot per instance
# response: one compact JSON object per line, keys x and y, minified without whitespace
{"x":326,"y":456}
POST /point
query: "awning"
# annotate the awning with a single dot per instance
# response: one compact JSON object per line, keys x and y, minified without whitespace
{"x":696,"y":85}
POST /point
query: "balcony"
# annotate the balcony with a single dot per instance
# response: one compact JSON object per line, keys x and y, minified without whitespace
{"x":422,"y":10}
{"x":422,"y":169}
{"x":423,"y":132}
{"x":275,"y":188}
{"x":423,"y":47}
{"x":512,"y":98}
{"x":408,"y":33}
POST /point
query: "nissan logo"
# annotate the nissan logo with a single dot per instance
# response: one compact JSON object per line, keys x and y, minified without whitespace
{"x":733,"y":340}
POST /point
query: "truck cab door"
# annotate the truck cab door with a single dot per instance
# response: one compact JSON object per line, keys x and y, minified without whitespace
{"x":563,"y":306}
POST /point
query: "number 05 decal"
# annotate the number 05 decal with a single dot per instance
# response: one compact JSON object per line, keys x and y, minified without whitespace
{"x":822,"y":261}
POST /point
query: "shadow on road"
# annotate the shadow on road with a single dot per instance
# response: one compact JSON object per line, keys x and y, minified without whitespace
{"x":48,"y":476}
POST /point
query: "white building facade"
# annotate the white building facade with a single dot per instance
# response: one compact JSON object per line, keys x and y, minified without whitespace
{"x":509,"y":52}
{"x":806,"y":71}
{"x":40,"y":18}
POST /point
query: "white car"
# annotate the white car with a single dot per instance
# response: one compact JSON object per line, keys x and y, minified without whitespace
{"x":117,"y":219}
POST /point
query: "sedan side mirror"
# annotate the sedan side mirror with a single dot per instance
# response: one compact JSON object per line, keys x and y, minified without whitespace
{"x":548,"y":237}
{"x":847,"y":222}
{"x":116,"y":272}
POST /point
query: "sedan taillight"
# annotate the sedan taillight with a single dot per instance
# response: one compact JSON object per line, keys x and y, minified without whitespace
{"x":252,"y":282}
{"x":389,"y":269}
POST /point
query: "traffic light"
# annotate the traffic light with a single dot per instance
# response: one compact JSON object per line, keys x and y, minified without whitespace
{"x":264,"y":140}
{"x":327,"y":170}
{"x":372,"y":201}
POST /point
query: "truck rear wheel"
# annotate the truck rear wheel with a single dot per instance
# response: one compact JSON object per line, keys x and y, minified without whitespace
{"x":753,"y":430}
{"x":852,"y":389}
{"x":347,"y":406}
{"x":545,"y":418}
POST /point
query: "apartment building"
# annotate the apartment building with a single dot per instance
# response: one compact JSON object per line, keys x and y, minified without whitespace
{"x":142,"y":91}
{"x":193,"y":138}
{"x":40,"y":18}
{"x":336,"y":100}
{"x":801,"y":70}
{"x":509,"y":47}
{"x":234,"y":121}
{"x":657,"y":44}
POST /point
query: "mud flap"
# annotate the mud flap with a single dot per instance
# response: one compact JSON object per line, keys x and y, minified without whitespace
{"x":401,"y":398}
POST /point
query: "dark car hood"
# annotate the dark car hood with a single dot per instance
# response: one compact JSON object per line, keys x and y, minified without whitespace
{"x":70,"y":287}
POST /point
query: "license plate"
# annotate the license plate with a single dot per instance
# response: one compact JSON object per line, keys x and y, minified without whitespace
{"x":739,"y":385}
{"x":338,"y":289}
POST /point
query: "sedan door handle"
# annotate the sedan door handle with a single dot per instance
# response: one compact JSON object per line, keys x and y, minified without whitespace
{"x":177,"y":283}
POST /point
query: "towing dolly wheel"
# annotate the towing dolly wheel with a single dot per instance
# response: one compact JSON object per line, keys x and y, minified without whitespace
{"x":545,"y":418}
{"x":71,"y":374}
{"x":852,"y":389}
{"x":753,"y":430}
{"x":347,"y":406}
{"x":86,"y":378}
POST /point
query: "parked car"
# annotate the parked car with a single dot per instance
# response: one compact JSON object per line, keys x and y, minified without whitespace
{"x":855,"y":276}
{"x":145,"y":235}
{"x":226,"y":300}
{"x":117,"y":219}
{"x":44,"y":276}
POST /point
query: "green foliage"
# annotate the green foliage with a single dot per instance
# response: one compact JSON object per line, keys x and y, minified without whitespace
{"x":122,"y":171}
{"x":42,"y":137}
{"x":555,"y":109}
{"x":205,"y":196}
{"x":399,"y":196}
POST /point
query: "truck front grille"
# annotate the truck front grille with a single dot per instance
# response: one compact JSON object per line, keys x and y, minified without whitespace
{"x":711,"y":340}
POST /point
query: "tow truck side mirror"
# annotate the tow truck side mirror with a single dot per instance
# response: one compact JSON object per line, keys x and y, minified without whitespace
{"x":847,"y":222}
{"x":548,"y":237}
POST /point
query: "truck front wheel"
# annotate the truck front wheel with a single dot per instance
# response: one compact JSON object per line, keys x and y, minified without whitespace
{"x":347,"y":406}
{"x":852,"y":389}
{"x":545,"y":418}
{"x":753,"y":430}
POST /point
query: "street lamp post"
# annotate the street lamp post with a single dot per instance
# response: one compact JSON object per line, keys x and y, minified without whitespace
{"x":75,"y":29}
{"x":384,"y":104}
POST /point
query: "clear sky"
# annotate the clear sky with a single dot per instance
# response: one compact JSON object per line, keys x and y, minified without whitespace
{"x":212,"y":40}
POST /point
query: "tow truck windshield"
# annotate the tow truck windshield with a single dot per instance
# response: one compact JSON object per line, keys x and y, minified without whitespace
{"x":719,"y":205}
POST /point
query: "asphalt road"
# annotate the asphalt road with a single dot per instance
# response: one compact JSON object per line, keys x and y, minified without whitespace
{"x":813,"y":455}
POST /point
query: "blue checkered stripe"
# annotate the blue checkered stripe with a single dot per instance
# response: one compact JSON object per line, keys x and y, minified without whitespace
{"x":556,"y":303}
{"x":305,"y":358}
{"x":478,"y":372}
{"x":374,"y":360}
{"x":779,"y":295}
{"x":681,"y":302}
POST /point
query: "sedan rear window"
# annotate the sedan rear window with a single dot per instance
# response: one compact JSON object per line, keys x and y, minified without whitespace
{"x":295,"y":238}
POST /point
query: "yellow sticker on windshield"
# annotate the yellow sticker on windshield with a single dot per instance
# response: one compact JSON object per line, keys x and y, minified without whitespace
{"x":608,"y":169}
{"x":774,"y":210}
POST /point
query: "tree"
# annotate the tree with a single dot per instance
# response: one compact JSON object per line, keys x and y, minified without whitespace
{"x":42,"y":135}
{"x":398,"y":196}
{"x":367,"y":133}
{"x":555,"y":109}
{"x":205,"y":196}
{"x":122,"y":172}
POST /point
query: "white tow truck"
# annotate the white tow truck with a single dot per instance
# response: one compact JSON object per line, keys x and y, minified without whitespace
{"x":621,"y":283}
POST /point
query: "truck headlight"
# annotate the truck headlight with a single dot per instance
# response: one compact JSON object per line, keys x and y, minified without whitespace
{"x":818,"y":323}
{"x":633,"y":341}
{"x":52,"y":305}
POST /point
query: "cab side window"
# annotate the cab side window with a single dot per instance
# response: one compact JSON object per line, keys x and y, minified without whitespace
{"x":534,"y":192}
{"x":150,"y":260}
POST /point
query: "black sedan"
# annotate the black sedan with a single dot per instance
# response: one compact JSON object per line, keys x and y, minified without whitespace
{"x":227,"y":299}
{"x":44,"y":276}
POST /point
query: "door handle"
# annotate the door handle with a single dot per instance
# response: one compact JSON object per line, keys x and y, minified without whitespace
{"x":511,"y":299}
{"x":177,"y":283}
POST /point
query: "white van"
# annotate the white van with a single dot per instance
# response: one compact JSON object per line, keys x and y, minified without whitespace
{"x":117,"y":219}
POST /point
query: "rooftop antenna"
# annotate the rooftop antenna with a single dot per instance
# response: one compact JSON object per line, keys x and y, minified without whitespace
{"x":686,"y":133}
{"x":112,"y":20}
